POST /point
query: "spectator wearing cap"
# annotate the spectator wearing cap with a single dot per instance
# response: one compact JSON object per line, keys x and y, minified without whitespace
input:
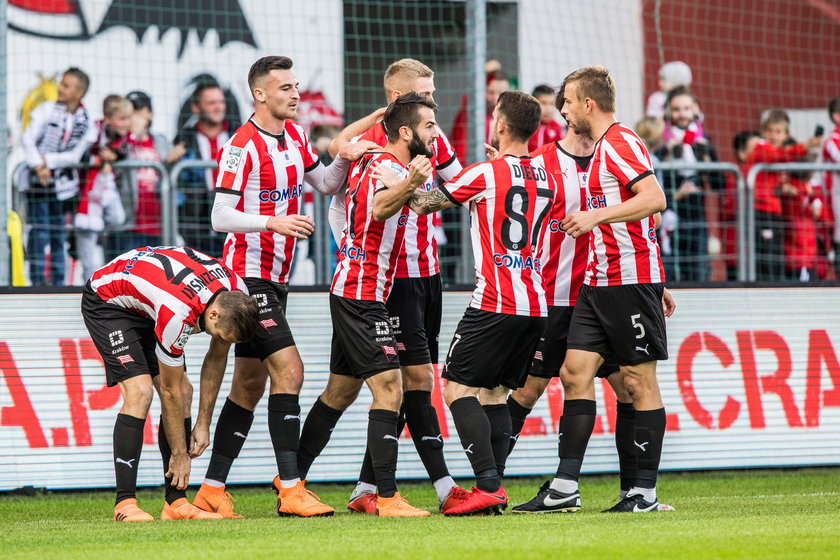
{"x":202,"y":137}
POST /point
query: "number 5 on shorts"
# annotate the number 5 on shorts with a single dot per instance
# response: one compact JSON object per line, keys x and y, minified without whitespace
{"x":636,"y":325}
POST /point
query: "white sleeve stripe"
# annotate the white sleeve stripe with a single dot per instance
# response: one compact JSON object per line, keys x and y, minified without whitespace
{"x":643,"y":157}
{"x":628,"y":171}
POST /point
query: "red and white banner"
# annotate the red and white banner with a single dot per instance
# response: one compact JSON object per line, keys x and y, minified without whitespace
{"x":753,"y":381}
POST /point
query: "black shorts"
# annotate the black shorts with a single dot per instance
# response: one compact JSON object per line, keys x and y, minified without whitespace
{"x":492,"y":349}
{"x":625,"y":322}
{"x":362,"y":342}
{"x":273,"y":332}
{"x":125,"y":340}
{"x":551,"y":350}
{"x":415,"y":306}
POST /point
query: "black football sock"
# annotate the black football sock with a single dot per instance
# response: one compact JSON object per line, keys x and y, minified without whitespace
{"x":171,"y":493}
{"x":315,"y":434}
{"x":284,"y":427}
{"x":648,"y":436}
{"x":474,"y":431}
{"x":383,"y":445}
{"x":576,"y":427}
{"x":625,"y":422}
{"x":128,"y":443}
{"x":500,"y":430}
{"x":366,"y":473}
{"x":518,"y":414}
{"x":231,"y":430}
{"x":425,"y":431}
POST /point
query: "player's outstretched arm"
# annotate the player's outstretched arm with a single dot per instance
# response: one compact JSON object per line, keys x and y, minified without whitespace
{"x":649,"y":200}
{"x":172,"y":407}
{"x":354,"y":129}
{"x":212,"y":372}
{"x":388,"y":201}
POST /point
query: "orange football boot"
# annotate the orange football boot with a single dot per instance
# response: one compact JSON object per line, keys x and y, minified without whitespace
{"x":297,"y":501}
{"x":216,"y":500}
{"x":128,"y":511}
{"x":397,"y":506}
{"x":182,"y":509}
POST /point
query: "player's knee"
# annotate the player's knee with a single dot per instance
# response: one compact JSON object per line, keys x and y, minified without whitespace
{"x":247,"y":391}
{"x":337,"y":398}
{"x":186,"y":391}
{"x":527,"y":396}
{"x":139,"y":396}
{"x":419,"y":378}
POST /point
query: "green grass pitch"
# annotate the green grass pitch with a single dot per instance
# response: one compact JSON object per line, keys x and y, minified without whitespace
{"x":726,"y":514}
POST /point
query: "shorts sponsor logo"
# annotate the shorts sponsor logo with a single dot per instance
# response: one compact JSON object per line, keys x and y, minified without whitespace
{"x":183,"y":337}
{"x":116,"y":338}
{"x":119,"y":349}
{"x":125,"y":359}
{"x":597,"y":201}
{"x":389,"y":351}
{"x":395,"y":324}
{"x":352,"y":253}
{"x":382,"y":328}
{"x":282,"y":195}
{"x":261,"y":299}
{"x":516,"y":261}
{"x":268,"y":323}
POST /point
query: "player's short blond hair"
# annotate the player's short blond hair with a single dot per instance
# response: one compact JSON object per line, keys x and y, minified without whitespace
{"x":114,"y":104}
{"x":401,"y":74}
{"x":595,"y":83}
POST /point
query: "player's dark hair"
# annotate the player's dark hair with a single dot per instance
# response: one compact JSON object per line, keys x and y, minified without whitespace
{"x":677,"y":92}
{"x":405,"y":111}
{"x":595,"y":83}
{"x":201,"y":88}
{"x":543,"y":89}
{"x":739,"y":142}
{"x":239,"y":315}
{"x":265,"y":65}
{"x":79,"y":74}
{"x":833,"y":106}
{"x":521,"y":113}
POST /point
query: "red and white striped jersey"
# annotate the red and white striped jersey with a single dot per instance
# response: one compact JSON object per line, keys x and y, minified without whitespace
{"x":169,"y":285}
{"x":267,"y":171}
{"x":563,"y":257}
{"x":509,"y":199}
{"x":831,"y":154}
{"x":418,"y":256}
{"x":368,"y":252}
{"x":625,"y":252}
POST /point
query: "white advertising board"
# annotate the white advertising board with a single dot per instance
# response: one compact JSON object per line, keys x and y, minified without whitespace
{"x":753,"y":380}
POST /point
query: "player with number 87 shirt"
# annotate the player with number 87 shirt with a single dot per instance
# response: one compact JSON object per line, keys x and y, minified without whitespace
{"x":509,"y":199}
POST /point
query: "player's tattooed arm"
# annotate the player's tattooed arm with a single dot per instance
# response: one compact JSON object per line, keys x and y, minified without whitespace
{"x":427,"y":202}
{"x":394,"y":196}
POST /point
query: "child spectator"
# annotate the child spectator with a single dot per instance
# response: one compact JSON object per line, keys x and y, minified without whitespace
{"x":686,"y":189}
{"x":144,"y":146}
{"x":742,"y":144}
{"x":550,"y":129}
{"x":99,"y":202}
{"x":774,"y":189}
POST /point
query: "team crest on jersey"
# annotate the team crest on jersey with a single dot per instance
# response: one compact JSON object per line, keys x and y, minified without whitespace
{"x":583,"y":176}
{"x":183,"y":337}
{"x":233,"y":158}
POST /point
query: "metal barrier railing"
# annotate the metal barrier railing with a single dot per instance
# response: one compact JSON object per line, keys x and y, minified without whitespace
{"x":743,"y":209}
{"x":752,"y":175}
{"x":320,"y":247}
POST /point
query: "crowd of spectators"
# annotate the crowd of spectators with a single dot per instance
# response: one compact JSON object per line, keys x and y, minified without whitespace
{"x":109,"y":210}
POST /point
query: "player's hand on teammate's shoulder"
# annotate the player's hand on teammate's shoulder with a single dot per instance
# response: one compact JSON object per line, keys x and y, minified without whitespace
{"x":293,"y":225}
{"x":419,"y":170}
{"x":669,"y":305}
{"x":580,"y":223}
{"x":179,"y":470}
{"x":492,"y":153}
{"x":199,"y":440}
{"x":355,"y":150}
{"x":385,"y":174}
